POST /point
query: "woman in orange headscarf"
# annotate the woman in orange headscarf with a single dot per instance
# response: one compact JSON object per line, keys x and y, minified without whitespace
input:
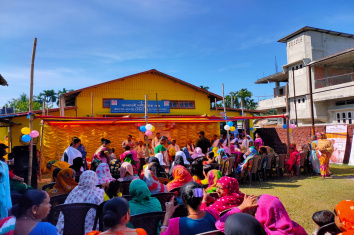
{"x":65,"y":182}
{"x":345,"y":216}
{"x":181,"y":176}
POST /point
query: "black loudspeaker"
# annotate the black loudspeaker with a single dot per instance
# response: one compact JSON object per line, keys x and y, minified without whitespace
{"x":20,"y":155}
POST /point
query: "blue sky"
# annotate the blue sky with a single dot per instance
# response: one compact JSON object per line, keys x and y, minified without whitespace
{"x":204,"y":42}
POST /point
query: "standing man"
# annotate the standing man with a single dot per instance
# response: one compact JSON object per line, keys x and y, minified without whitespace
{"x":140,"y":150}
{"x":129,"y":142}
{"x":203,"y":142}
{"x":174,"y":145}
{"x":156,"y":140}
{"x":161,"y":149}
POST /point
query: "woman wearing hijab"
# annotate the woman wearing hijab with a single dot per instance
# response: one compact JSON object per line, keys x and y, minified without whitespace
{"x":103,"y":174}
{"x":65,"y":183}
{"x":142,"y":202}
{"x":85,"y":192}
{"x":229,"y":195}
{"x":114,"y":167}
{"x":159,"y":156}
{"x":344,"y":216}
{"x":242,"y":168}
{"x":313,"y":156}
{"x":181,"y":177}
{"x":291,"y":161}
{"x":213,"y":177}
{"x":126,"y":172}
{"x":244,"y":224}
{"x":152,"y":182}
{"x":197,"y":153}
{"x":155,"y":167}
{"x":324,"y":150}
{"x":188,"y":155}
{"x":270,"y":212}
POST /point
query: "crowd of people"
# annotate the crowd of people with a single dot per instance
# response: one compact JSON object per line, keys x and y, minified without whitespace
{"x":212,"y":201}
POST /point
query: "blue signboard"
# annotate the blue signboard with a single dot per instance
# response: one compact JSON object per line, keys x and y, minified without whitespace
{"x":138,"y":106}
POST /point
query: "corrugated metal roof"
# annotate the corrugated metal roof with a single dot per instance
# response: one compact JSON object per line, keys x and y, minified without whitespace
{"x":342,"y":56}
{"x":308,"y":28}
{"x":277,"y":77}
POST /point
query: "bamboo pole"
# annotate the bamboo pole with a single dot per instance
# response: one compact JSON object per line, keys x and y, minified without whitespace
{"x":228,"y":131}
{"x":91,"y":104}
{"x":31,"y":110}
{"x":216,"y":109}
{"x":287,"y":120}
{"x":146,"y":122}
{"x":157,"y":103}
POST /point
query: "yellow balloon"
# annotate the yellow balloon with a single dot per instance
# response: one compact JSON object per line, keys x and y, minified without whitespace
{"x":290,"y":130}
{"x":152,"y":129}
{"x":25,"y":130}
{"x":232,"y":128}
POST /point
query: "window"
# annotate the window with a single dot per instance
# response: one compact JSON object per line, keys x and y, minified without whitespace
{"x":281,"y":92}
{"x":300,"y":66}
{"x":338,"y":117}
{"x":350,"y":117}
{"x":303,"y":100}
{"x":299,"y":101}
{"x":343,"y":118}
{"x":338,"y":103}
{"x":106,"y":102}
{"x":182,"y":104}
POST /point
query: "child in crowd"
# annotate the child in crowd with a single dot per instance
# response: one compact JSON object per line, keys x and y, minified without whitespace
{"x":322,"y":218}
{"x":112,"y":191}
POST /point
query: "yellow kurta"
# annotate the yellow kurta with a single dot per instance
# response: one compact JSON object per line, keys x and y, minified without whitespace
{"x":326,"y":149}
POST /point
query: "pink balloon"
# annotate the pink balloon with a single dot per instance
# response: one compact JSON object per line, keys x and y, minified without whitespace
{"x":171,"y":126}
{"x":139,"y":124}
{"x":148,"y":133}
{"x":34,"y":134}
{"x":291,"y":126}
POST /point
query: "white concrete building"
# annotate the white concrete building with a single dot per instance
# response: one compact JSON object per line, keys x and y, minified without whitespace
{"x":326,"y":59}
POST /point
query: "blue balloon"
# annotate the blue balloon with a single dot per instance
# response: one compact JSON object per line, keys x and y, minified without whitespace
{"x":251,"y":128}
{"x":26,"y":138}
{"x":230,"y":123}
{"x":284,"y":126}
{"x":142,"y":128}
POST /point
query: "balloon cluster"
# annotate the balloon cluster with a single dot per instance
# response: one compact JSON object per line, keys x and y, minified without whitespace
{"x":148,"y":129}
{"x":253,"y":129}
{"x":28,"y":134}
{"x":229,"y":126}
{"x":291,"y":127}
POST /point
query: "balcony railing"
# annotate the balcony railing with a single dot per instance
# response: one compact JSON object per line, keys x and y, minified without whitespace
{"x":334,"y":80}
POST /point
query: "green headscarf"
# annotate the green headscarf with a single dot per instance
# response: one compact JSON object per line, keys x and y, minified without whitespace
{"x":141,"y":202}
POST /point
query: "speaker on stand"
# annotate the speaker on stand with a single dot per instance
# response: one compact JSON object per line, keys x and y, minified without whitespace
{"x":20,"y":156}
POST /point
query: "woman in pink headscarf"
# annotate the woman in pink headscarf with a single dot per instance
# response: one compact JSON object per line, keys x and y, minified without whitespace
{"x":197,"y":153}
{"x":270,"y":212}
{"x":229,"y":195}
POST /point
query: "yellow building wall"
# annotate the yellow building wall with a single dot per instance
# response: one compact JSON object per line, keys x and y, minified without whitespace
{"x":134,"y":88}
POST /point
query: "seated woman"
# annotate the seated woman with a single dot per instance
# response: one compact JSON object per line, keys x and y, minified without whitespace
{"x":65,"y":183}
{"x":159,"y":156}
{"x":77,"y":166}
{"x":34,"y":206}
{"x":213,"y":177}
{"x":179,"y":161}
{"x":210,"y":158}
{"x":141,"y":201}
{"x":103,"y":175}
{"x":112,"y":190}
{"x":197,"y":153}
{"x":243,"y":224}
{"x":198,"y":221}
{"x":159,"y":172}
{"x":129,"y":158}
{"x":114,"y":167}
{"x":17,"y":184}
{"x":344,"y":216}
{"x":152,"y":182}
{"x":55,"y":174}
{"x":126,"y":172}
{"x":269,"y":211}
{"x":221,"y":156}
{"x":85,"y":192}
{"x":242,"y":168}
{"x":180,"y":176}
{"x":229,"y":195}
{"x":116,"y":215}
{"x":197,"y":170}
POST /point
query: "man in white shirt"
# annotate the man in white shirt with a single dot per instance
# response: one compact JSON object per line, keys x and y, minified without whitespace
{"x":156,"y":140}
{"x":129,"y":142}
{"x":215,"y":141}
{"x":140,"y":150}
{"x":174,"y":145}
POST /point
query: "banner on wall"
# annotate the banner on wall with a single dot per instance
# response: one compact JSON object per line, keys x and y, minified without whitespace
{"x":338,"y":135}
{"x":138,"y":106}
{"x":351,"y":157}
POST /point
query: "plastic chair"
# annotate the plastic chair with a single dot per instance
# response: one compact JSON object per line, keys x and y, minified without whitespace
{"x":269,"y":168}
{"x":175,"y":190}
{"x":329,"y":229}
{"x":227,"y":168}
{"x":59,"y":199}
{"x":99,"y":218}
{"x":48,"y":187}
{"x":148,"y":221}
{"x":225,"y":211}
{"x":214,"y":232}
{"x":256,"y":170}
{"x":163,"y":198}
{"x":164,"y":180}
{"x":301,"y":163}
{"x":74,"y":217}
{"x":282,"y":165}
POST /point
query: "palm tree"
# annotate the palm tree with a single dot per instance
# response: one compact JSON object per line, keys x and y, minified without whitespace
{"x":49,"y":96}
{"x":205,"y":87}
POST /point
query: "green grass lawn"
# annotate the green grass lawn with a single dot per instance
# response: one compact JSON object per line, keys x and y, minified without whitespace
{"x":305,"y":195}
